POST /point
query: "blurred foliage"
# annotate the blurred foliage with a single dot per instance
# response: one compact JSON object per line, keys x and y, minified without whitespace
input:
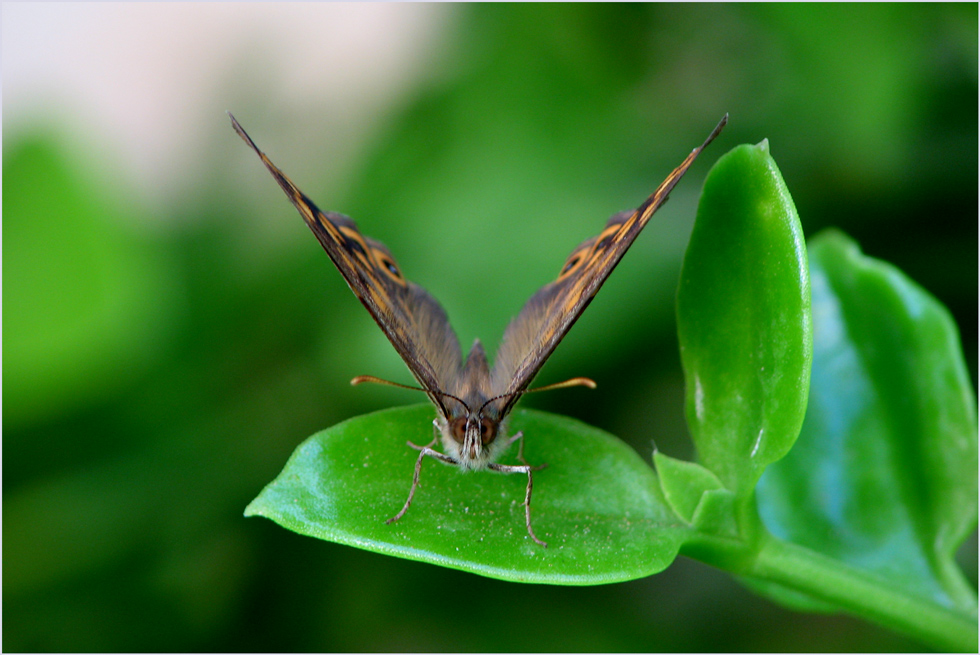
{"x":157,"y":377}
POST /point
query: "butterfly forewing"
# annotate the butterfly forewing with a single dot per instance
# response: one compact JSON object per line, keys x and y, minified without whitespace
{"x":413,"y":320}
{"x":545,"y":319}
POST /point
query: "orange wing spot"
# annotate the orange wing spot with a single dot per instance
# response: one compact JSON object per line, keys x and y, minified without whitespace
{"x":573,"y":264}
{"x":354,"y":243}
{"x":601,"y":251}
{"x":606,"y":237}
{"x":379,"y":300}
{"x":388,"y":266}
{"x":327,"y":225}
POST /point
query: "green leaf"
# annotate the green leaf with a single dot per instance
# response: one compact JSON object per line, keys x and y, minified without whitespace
{"x":884,"y":476}
{"x":597,"y":504}
{"x":743,"y":315}
{"x":826,"y":581}
{"x":684,"y":484}
{"x":696,"y":495}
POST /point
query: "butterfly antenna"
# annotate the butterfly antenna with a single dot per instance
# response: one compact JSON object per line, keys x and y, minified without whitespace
{"x":370,"y":378}
{"x":573,"y":382}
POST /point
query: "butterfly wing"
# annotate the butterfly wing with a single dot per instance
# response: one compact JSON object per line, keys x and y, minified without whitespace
{"x":413,"y":320}
{"x":545,"y":319}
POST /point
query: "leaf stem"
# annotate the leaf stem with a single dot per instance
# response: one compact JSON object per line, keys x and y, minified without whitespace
{"x":864,"y":595}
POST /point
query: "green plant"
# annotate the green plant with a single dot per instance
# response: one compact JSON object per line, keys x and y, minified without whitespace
{"x":856,"y":503}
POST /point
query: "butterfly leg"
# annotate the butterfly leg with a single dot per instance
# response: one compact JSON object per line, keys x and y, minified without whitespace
{"x":424,"y":450}
{"x":418,"y":447}
{"x":520,"y":452}
{"x":528,"y":469}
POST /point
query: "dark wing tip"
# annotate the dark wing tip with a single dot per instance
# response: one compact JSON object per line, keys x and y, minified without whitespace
{"x":241,"y":132}
{"x":715,"y":132}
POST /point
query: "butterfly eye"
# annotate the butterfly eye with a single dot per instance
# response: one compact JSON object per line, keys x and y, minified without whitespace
{"x":488,"y":430}
{"x":459,"y":429}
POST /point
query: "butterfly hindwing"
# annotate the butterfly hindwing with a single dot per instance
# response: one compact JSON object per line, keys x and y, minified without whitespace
{"x":414,"y":322}
{"x":545,"y":319}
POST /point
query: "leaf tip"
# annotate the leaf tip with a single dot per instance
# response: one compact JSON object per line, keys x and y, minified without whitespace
{"x":253,"y":509}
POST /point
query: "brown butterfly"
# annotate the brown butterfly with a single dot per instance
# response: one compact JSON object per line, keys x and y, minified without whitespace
{"x":472,"y":400}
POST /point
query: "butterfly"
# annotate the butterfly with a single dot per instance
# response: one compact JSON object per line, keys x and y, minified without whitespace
{"x":473,"y":400}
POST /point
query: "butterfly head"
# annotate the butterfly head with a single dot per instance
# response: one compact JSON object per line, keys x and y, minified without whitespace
{"x":471,"y":429}
{"x":472,"y":433}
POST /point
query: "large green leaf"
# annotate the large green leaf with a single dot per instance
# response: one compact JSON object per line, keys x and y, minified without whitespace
{"x":884,"y":476}
{"x":597,"y":504}
{"x":743,"y":318}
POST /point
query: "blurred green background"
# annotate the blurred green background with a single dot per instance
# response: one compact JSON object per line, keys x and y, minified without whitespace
{"x":172,"y":330}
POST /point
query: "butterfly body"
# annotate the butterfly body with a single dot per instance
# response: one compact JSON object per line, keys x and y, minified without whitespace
{"x":472,"y":400}
{"x":469,"y":431}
